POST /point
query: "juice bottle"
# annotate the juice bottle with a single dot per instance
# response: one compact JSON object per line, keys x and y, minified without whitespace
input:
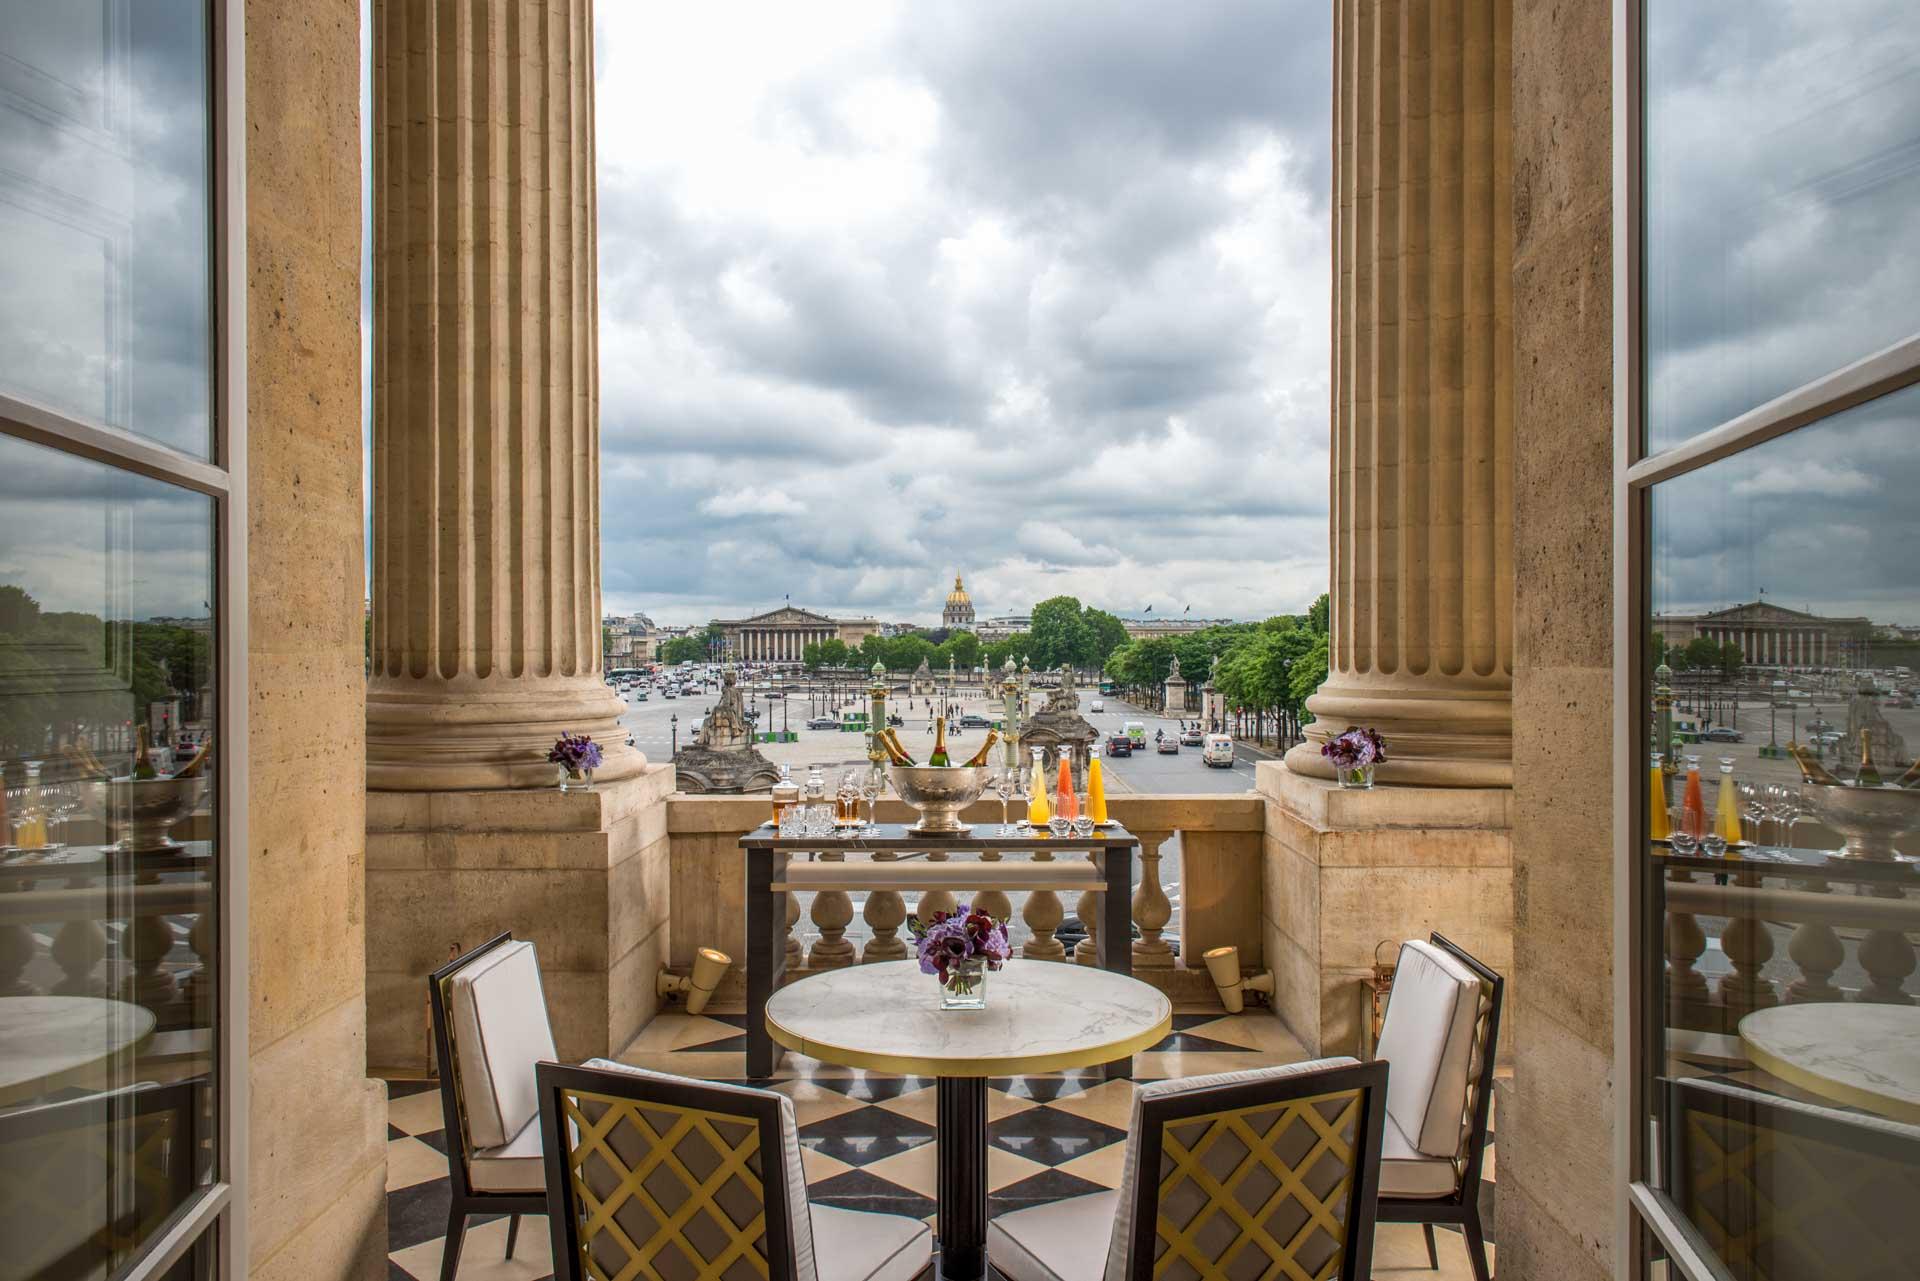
{"x":1038,"y":811}
{"x":1096,"y":788}
{"x":1064,"y":802}
{"x":1657,"y":804}
{"x":1726,"y":819}
{"x":1693,"y":803}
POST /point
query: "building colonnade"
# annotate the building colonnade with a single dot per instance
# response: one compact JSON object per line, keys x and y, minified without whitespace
{"x":779,"y":644}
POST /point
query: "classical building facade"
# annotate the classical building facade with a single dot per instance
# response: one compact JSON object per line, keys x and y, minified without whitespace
{"x":959,"y":611}
{"x":782,"y":635}
{"x":1772,"y":635}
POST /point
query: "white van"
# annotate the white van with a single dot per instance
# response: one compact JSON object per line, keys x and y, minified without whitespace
{"x":1217,"y":751}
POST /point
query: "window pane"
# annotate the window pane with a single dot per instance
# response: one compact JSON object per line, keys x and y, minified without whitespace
{"x":1780,"y":959}
{"x":1782,"y":172}
{"x":108,"y":961}
{"x":105,"y":214}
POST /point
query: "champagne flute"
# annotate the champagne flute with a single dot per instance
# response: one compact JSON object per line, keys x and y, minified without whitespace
{"x":1004,"y":781}
{"x":870,"y":788}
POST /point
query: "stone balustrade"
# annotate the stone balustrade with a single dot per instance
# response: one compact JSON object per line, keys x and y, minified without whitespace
{"x":1219,"y":845}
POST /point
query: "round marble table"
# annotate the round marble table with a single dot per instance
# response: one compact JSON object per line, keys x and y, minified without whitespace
{"x":1041,"y":1016}
{"x":50,"y":1041}
{"x":1865,"y":1056}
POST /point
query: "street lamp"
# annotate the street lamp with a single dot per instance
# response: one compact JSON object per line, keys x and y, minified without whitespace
{"x":675,"y":721}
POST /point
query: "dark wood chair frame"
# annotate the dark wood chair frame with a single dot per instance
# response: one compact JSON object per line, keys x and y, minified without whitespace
{"x":465,"y":1199}
{"x":1462,"y":1207}
{"x":1370,"y":1079}
{"x":562,"y":1206}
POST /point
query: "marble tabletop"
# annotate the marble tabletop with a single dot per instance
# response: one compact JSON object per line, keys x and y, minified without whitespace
{"x":1865,"y":1056}
{"x":1041,"y":1016}
{"x":50,"y":1041}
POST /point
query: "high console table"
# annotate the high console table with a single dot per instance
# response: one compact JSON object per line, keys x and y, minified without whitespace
{"x":773,"y":871}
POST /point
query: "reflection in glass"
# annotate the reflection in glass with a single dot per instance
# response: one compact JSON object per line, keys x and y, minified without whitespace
{"x":1782,"y":172}
{"x":108,"y":963}
{"x":105,"y":214}
{"x":1786,"y":616}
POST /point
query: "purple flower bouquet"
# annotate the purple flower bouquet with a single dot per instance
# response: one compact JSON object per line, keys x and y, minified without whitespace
{"x":577,"y":756}
{"x":958,"y":948}
{"x":1354,"y":754}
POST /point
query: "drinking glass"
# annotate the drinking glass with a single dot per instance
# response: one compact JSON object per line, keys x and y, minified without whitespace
{"x":1005,"y":780}
{"x":1753,"y":809}
{"x":870,"y":788}
{"x":1082,"y":820}
{"x":1789,"y":807}
{"x":1023,"y":793}
{"x":1680,"y":833}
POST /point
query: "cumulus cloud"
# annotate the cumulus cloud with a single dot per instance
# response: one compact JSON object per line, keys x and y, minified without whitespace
{"x":1033,"y":293}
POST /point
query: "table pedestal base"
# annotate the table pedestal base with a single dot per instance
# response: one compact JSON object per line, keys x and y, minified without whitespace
{"x":961,"y":1103}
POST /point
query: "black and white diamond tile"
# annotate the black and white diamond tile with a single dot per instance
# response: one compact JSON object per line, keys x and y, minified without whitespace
{"x":869,"y":1141}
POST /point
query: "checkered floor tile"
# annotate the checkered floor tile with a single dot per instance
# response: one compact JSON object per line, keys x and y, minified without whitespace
{"x":868,"y":1139}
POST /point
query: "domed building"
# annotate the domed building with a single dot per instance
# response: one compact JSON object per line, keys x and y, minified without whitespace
{"x":959,"y":610}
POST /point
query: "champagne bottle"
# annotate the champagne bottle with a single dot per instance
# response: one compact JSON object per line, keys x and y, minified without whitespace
{"x":890,"y":744}
{"x":1868,"y":775}
{"x":939,"y":759}
{"x":979,"y":758}
{"x":1810,"y":767}
{"x":142,"y":759}
{"x":1911,"y":777}
{"x":199,"y":761}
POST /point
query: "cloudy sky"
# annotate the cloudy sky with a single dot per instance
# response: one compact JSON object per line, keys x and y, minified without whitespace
{"x":892,"y":291}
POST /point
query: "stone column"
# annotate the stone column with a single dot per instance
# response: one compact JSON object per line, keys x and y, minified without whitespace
{"x":1422,"y":430}
{"x":486,"y":472}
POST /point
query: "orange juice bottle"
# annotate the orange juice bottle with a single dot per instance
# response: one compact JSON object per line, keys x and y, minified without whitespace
{"x":1657,"y":825}
{"x":1096,"y":788}
{"x":1693,"y":803}
{"x":1065,"y":804}
{"x":1726,"y":817}
{"x":1038,"y":812}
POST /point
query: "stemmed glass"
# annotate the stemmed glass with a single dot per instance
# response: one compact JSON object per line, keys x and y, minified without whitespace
{"x":870,"y":788}
{"x":1005,"y":780}
{"x":1753,"y":808}
{"x":1082,"y":819}
{"x":1022,"y":792}
{"x":1789,"y":807}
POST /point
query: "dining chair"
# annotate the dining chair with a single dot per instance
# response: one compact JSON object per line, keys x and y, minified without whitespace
{"x":67,"y":1211}
{"x":489,"y":1028}
{"x":666,"y":1177}
{"x":1268,"y":1172}
{"x":1782,"y":1190}
{"x":1441,"y":1027}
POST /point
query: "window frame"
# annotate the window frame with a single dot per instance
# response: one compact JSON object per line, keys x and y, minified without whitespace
{"x":1643,"y":1214}
{"x":217,"y":1213}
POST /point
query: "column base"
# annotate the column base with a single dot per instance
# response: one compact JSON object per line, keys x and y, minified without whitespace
{"x":483,"y":734}
{"x":1442,"y":737}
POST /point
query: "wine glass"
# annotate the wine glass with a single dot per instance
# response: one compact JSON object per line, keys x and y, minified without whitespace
{"x":1005,"y":780}
{"x":1789,"y":807}
{"x":1753,"y":808}
{"x":1022,"y":792}
{"x":870,"y":788}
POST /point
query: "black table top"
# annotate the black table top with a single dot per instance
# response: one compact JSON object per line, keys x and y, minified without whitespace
{"x":896,"y":837}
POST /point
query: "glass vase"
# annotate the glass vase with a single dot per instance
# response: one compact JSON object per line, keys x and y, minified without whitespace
{"x":576,"y":780}
{"x":1359,"y":777}
{"x":966,"y":985}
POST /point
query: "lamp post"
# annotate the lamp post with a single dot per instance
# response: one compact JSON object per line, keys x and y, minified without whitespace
{"x":674,"y":720}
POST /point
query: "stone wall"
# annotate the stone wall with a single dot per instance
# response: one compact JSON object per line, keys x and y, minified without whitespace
{"x":584,"y":876}
{"x":317,"y":1126}
{"x":1557,"y":1177}
{"x":1347,"y":870}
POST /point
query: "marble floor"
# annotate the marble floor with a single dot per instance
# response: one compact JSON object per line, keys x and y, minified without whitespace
{"x":868,"y":1139}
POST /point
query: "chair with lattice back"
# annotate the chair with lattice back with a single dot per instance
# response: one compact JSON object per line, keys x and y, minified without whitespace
{"x":667,"y":1178}
{"x":1267,"y":1173}
{"x":1782,"y":1190}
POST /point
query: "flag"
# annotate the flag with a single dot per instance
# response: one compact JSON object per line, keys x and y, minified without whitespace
{"x":1147,"y":610}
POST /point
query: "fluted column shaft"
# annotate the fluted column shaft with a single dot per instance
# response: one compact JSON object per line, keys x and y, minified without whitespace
{"x":486,"y":562}
{"x":1422,"y":493}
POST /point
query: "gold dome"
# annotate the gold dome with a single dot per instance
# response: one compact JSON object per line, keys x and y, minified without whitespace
{"x":958,"y":596}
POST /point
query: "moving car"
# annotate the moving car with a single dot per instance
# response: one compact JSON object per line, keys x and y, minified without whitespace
{"x":1097,"y":705}
{"x":823,"y":722}
{"x":1218,"y":751}
{"x":974,"y":720}
{"x":1168,"y":746}
{"x":773,"y":693}
{"x":1119,"y":745}
{"x":1723,"y":734}
{"x":1192,"y":736}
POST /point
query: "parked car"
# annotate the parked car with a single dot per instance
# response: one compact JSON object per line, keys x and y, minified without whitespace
{"x":1723,"y":734}
{"x":1192,"y":736}
{"x":1119,"y":745}
{"x":974,"y":720}
{"x":823,"y":722}
{"x":1218,"y":751}
{"x":1097,"y":705}
{"x":1168,"y":746}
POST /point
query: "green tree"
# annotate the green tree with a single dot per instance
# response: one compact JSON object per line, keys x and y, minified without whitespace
{"x":1320,"y":615}
{"x":1308,"y":675}
{"x":683,"y":649}
{"x":1061,"y":636}
{"x":1108,"y":633}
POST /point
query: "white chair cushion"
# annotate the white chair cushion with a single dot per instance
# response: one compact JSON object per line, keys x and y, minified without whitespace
{"x":800,"y":1225}
{"x":500,"y":1031}
{"x":1053,"y":1242}
{"x":1427,"y":1042}
{"x":515,"y":1166}
{"x":1123,"y":1215}
{"x":1407,"y":1172}
{"x":854,"y":1245}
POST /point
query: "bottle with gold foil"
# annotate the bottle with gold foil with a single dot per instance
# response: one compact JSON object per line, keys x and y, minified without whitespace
{"x":1869,"y":776}
{"x":1657,"y":803}
{"x":940,"y":757}
{"x":1096,"y":788}
{"x":1038,"y":811}
{"x":1810,"y":767}
{"x":1726,"y":813}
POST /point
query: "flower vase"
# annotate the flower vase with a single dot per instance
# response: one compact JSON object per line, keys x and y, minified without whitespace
{"x":575,"y":780}
{"x":966,"y":985}
{"x":1359,"y":777}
